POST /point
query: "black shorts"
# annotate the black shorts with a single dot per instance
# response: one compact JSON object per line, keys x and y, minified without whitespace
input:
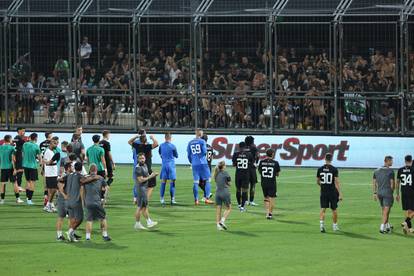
{"x":19,"y":160}
{"x":153,"y":181}
{"x":407,"y":202}
{"x":110,"y":171}
{"x":329,"y":200}
{"x":269,"y":190}
{"x":31,"y":174}
{"x":101,"y":173}
{"x":7,"y":176}
{"x":242,"y":182}
{"x":252,"y":175}
{"x":51,"y":182}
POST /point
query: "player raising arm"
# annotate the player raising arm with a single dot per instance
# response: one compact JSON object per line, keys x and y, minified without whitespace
{"x":327,"y":179}
{"x":405,"y":180}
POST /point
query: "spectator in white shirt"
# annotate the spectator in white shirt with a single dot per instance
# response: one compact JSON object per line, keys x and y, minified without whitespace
{"x":85,"y":51}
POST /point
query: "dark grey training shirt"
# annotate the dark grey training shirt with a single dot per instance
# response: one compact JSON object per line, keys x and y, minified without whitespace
{"x":222,"y":182}
{"x":73,"y":188}
{"x":142,"y":170}
{"x":383,"y":176}
{"x":93,"y":192}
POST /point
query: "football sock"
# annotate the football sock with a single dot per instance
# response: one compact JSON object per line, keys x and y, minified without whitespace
{"x":208,"y":189}
{"x":29,"y":194}
{"x":252,"y":191}
{"x":17,"y":195}
{"x":70,"y":230}
{"x":162,"y":189}
{"x":243,"y":198}
{"x":105,"y":233}
{"x":238,"y":196}
{"x":222,"y":220}
{"x":19,"y":179}
{"x":172,"y":189}
{"x":109,"y":182}
{"x":195,"y":190}
{"x":149,"y":221}
{"x":88,"y":236}
{"x":408,"y":221}
{"x":382,"y":227}
{"x":321,"y":222}
{"x":102,"y":194}
{"x":135,"y":192}
{"x":2,"y":195}
{"x":45,"y":193}
{"x":59,"y":233}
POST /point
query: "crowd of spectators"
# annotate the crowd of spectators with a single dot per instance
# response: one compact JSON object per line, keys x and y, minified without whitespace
{"x":233,"y":91}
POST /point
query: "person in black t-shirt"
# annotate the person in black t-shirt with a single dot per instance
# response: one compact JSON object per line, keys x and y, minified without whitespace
{"x":268,"y":169}
{"x":110,"y":165}
{"x":405,"y":177}
{"x":327,"y":178}
{"x":242,"y":161}
{"x":144,"y":147}
{"x":19,"y":141}
{"x":209,"y":156}
{"x":249,"y":140}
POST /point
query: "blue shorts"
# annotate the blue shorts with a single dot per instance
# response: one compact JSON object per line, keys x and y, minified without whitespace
{"x":168,"y":172}
{"x":201,"y":172}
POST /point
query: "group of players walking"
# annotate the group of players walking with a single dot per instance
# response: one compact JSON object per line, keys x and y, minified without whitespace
{"x":63,"y":168}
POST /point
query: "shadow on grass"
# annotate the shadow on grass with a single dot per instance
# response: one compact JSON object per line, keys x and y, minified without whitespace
{"x":241,"y":233}
{"x":98,"y":246}
{"x":25,"y":242}
{"x":353,"y":235}
{"x":163,"y":233}
{"x":291,"y":221}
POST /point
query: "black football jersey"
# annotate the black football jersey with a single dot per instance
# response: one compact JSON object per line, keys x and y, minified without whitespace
{"x":326,"y":175}
{"x":255,"y":154}
{"x":268,"y":170}
{"x":209,"y":154}
{"x":242,"y":160}
{"x":107,"y":148}
{"x":405,"y":176}
{"x":44,"y":145}
{"x":19,"y":142}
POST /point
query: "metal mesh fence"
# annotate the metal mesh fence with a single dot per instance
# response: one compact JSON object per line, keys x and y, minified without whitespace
{"x":267,"y":66}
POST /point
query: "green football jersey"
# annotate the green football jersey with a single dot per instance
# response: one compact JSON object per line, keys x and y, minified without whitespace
{"x":94,"y":154}
{"x":6,"y":156}
{"x":30,"y":153}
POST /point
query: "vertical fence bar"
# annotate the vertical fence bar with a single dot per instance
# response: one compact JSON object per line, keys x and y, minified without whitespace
{"x":6,"y":74}
{"x":269,"y":83}
{"x":337,"y":68}
{"x":195,"y":41}
{"x":134,"y":78}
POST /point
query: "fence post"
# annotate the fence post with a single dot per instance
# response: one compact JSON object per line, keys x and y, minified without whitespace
{"x":402,"y":71}
{"x":193,"y":68}
{"x":134,"y":38}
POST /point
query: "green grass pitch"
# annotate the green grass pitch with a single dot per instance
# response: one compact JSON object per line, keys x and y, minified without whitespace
{"x":186,"y":241}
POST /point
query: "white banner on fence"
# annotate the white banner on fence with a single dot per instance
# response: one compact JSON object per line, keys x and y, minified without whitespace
{"x":291,"y":150}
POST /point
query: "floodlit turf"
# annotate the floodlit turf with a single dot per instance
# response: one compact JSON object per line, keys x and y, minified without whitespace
{"x":186,"y":241}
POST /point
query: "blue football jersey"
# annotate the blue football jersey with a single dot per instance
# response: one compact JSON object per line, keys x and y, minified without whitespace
{"x":196,"y":152}
{"x":168,"y":152}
